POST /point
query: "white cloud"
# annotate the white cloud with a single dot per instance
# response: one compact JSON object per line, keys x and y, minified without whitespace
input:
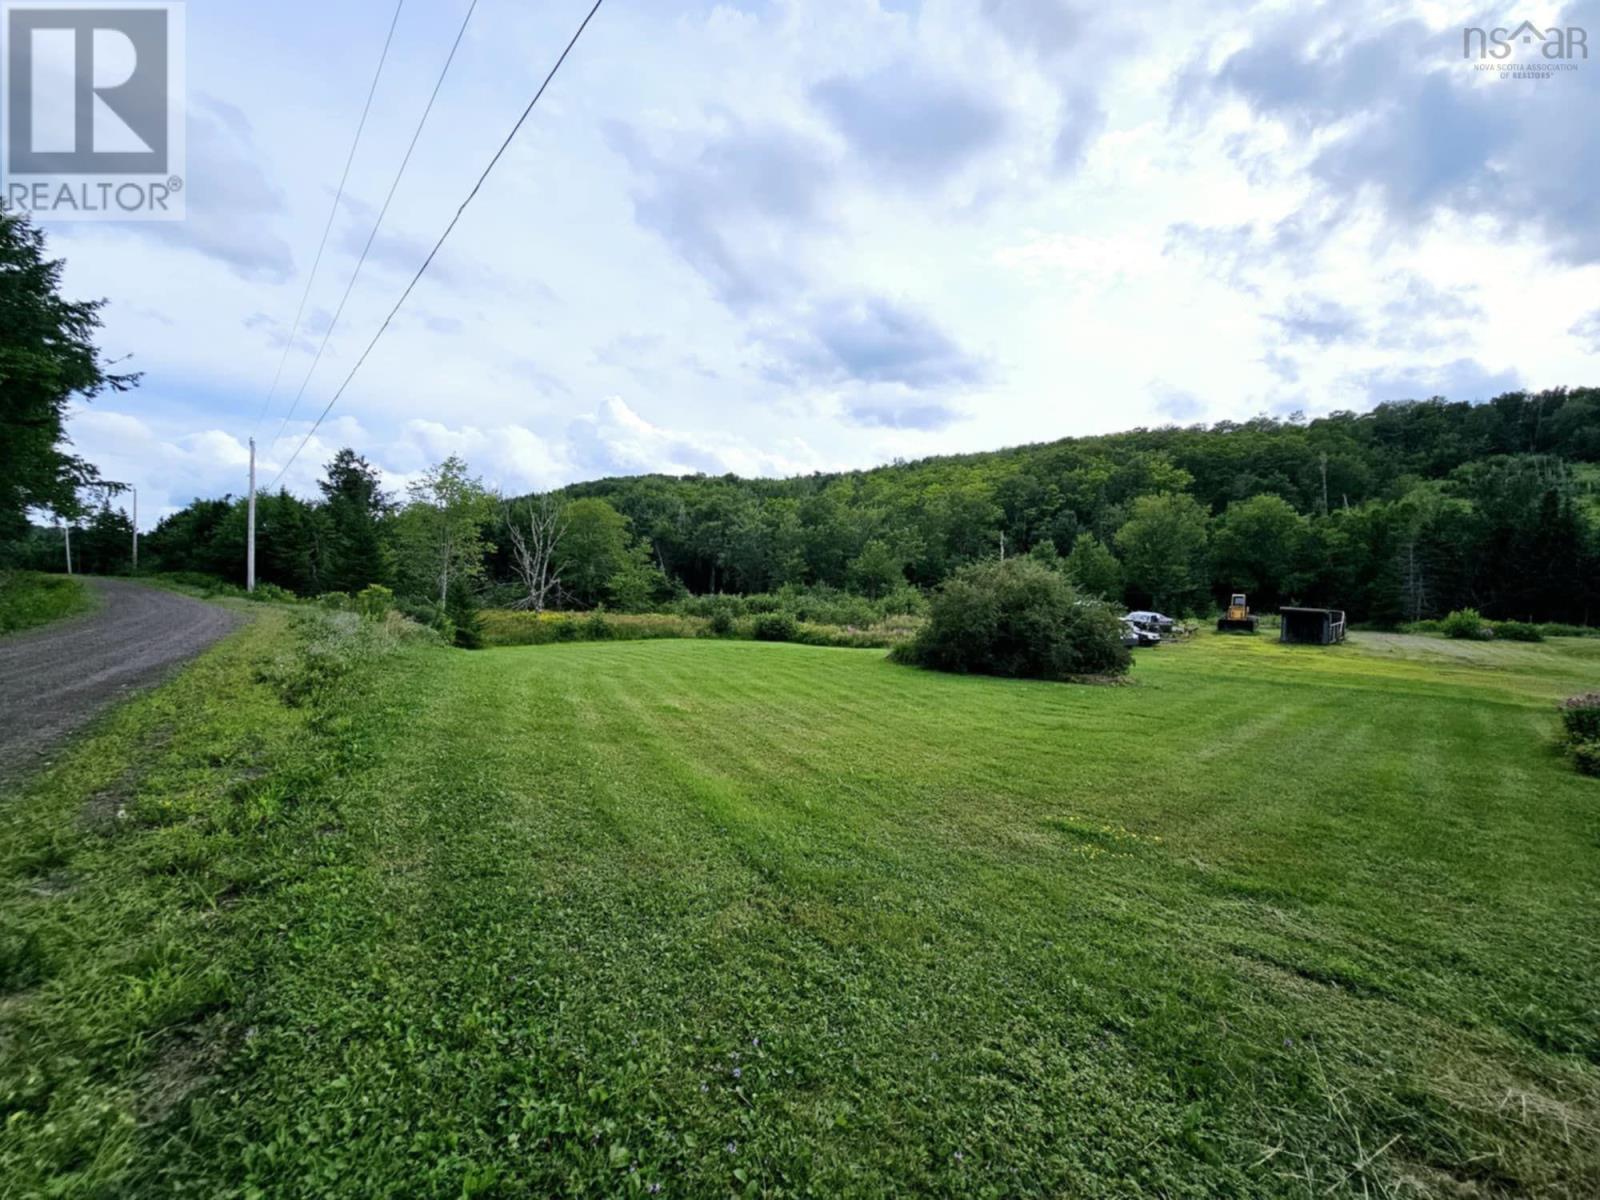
{"x":795,"y":236}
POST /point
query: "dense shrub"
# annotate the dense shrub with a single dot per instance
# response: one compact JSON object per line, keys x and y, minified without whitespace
{"x":1517,"y":631}
{"x":774,"y":627}
{"x":1464,"y":623}
{"x":271,"y":593}
{"x":374,"y":601}
{"x":1586,"y":757}
{"x":721,"y":619}
{"x":1017,"y":618}
{"x":427,"y":614}
{"x":1581,"y":717}
{"x":501,"y":628}
{"x":813,"y":605}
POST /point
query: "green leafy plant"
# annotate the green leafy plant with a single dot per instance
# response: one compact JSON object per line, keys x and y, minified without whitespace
{"x":721,"y":620}
{"x":774,"y":627}
{"x":1464,"y":623}
{"x":1015,"y":617}
{"x":374,"y":601}
{"x":1586,"y":757}
{"x":1580,"y":715}
{"x":271,"y":593}
{"x":1517,"y":631}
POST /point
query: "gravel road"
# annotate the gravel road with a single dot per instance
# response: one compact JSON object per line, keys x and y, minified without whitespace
{"x":54,"y":679}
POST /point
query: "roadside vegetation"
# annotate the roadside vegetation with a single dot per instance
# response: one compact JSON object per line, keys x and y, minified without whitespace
{"x":29,"y":598}
{"x":342,"y":911}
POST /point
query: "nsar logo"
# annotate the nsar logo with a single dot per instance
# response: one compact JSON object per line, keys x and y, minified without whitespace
{"x":1554,"y":44}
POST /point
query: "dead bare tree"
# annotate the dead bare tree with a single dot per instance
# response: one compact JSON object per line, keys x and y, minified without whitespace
{"x":536,"y":526}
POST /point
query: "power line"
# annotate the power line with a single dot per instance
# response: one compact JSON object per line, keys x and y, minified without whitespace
{"x":498,"y":154}
{"x":371,"y":237}
{"x":332,"y":213}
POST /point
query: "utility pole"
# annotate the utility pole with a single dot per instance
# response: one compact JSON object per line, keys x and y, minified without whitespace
{"x":66,"y":532}
{"x":135,"y":492}
{"x":1002,"y":545}
{"x":250,"y":543}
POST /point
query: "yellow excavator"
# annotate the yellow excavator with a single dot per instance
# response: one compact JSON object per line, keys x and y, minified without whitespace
{"x":1237,"y":619}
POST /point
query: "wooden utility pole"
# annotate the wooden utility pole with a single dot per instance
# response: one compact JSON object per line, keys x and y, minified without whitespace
{"x":250,"y":537}
{"x":135,"y":492}
{"x":66,"y":532}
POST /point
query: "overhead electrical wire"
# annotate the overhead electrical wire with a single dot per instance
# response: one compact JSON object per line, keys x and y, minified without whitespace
{"x":476,"y":187}
{"x":378,"y":224}
{"x":332,"y":213}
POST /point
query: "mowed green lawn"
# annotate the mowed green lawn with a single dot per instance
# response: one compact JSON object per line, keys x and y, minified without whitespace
{"x":698,"y":918}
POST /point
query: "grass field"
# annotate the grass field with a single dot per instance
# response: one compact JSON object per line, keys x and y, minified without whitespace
{"x":29,"y":598}
{"x":700,"y":918}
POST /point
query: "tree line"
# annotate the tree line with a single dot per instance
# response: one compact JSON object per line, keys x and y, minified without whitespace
{"x":1403,"y":513}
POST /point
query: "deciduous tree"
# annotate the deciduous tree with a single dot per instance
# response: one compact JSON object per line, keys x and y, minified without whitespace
{"x":1163,"y":545}
{"x":442,"y":526}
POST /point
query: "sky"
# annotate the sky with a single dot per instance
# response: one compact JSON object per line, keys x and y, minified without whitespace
{"x":780,"y":237}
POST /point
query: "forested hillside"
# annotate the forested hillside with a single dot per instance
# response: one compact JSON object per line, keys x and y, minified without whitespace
{"x":1402,"y":513}
{"x":1406,"y":511}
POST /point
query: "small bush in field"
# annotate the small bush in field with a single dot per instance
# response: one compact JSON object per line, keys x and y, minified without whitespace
{"x":335,"y":601}
{"x":1581,"y":717}
{"x":1018,"y":618}
{"x":374,"y":601}
{"x":722,"y":620}
{"x":596,"y":628}
{"x":1464,"y":623}
{"x":774,"y":627}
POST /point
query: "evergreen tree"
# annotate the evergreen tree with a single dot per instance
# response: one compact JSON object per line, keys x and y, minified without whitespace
{"x":356,"y":508}
{"x":47,"y":357}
